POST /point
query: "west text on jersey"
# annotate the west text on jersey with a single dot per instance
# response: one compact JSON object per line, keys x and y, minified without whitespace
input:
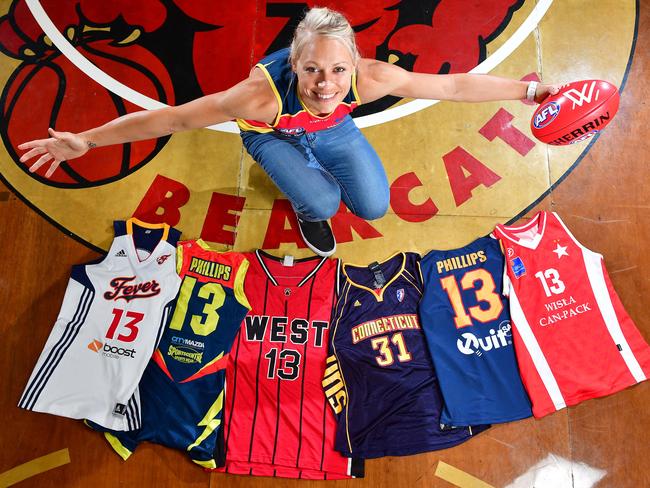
{"x":280,"y":329}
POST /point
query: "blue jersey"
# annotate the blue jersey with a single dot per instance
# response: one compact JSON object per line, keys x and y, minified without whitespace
{"x":467,"y":324}
{"x":379,"y":377}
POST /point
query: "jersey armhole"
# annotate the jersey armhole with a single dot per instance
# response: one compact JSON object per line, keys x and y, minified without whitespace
{"x":353,"y":87}
{"x":505,"y":281}
{"x":179,"y":259}
{"x":506,"y":286}
{"x":337,"y":280}
{"x":119,"y":228}
{"x":238,"y":288}
{"x":268,"y":77}
{"x":337,"y":310}
{"x":570,"y":234}
{"x":419,"y":263}
{"x":173,"y":236}
{"x":79,"y":274}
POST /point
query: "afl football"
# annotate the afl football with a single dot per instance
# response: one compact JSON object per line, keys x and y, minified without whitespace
{"x":577,"y":112}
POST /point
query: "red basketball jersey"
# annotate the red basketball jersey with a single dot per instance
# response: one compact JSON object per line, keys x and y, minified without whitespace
{"x":278,"y":422}
{"x":573,"y":339}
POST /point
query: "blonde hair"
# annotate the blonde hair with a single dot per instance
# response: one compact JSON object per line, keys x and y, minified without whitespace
{"x":321,"y":21}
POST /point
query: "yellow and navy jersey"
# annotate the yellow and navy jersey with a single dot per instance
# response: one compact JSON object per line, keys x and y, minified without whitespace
{"x":210,"y":307}
{"x":294,"y":118}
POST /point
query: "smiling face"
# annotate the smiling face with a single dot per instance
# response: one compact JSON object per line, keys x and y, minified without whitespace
{"x":324,"y":70}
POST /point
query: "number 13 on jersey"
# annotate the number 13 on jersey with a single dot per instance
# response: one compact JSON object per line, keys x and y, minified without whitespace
{"x":486,"y":294}
{"x":211,"y":295}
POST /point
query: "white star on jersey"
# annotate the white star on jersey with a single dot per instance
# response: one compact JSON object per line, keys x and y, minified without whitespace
{"x":560,"y":251}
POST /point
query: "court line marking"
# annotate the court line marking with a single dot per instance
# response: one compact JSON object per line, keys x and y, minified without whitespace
{"x":459,"y":477}
{"x":408,"y":108}
{"x":491,"y":62}
{"x":34,"y":467}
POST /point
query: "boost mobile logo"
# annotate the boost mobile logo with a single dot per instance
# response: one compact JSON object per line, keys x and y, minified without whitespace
{"x":476,"y":345}
{"x":109,"y":350}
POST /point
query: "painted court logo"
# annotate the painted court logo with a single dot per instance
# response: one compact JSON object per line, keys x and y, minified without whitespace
{"x":115,"y":67}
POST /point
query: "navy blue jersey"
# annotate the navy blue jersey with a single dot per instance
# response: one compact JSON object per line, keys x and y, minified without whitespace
{"x":467,"y":324}
{"x":379,"y":377}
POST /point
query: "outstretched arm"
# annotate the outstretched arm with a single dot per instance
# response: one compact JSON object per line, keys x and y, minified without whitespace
{"x":377,"y":79}
{"x":249,"y":99}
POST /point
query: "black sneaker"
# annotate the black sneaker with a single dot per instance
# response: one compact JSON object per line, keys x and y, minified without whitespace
{"x":318,"y":236}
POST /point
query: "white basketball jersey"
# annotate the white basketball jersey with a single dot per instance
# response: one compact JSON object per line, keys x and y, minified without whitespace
{"x":113,"y":314}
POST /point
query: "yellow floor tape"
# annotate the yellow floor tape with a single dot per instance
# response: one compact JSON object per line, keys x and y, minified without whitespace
{"x":459,"y":477}
{"x":34,"y":467}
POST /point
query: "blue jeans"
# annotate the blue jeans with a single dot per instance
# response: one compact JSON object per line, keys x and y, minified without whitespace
{"x":316,"y":170}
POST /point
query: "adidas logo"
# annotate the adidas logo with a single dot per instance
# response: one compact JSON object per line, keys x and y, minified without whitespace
{"x":357,"y":303}
{"x":95,"y":345}
{"x":120,"y":254}
{"x":120,"y":409}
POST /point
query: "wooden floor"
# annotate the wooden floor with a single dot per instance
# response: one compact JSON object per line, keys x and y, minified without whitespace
{"x":604,"y":200}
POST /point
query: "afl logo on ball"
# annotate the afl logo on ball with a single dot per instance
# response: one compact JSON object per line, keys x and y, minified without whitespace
{"x":546,"y":114}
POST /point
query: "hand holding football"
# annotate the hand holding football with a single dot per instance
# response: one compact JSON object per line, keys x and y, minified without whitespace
{"x":578,"y":111}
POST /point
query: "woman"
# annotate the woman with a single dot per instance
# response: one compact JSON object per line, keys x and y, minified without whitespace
{"x":293,"y":112}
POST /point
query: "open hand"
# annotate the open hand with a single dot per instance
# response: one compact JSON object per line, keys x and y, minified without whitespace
{"x":62,"y":146}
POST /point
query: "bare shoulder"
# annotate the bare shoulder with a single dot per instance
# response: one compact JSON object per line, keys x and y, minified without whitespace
{"x":376,"y":70}
{"x":376,"y":79}
{"x":252,"y":98}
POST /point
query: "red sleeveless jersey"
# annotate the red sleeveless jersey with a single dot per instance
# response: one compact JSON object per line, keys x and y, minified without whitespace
{"x":277,"y":420}
{"x":573,"y":339}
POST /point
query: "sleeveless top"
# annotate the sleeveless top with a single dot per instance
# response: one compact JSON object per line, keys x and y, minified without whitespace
{"x":294,"y":118}
{"x":113,"y":314}
{"x":379,"y":378}
{"x":466,"y":322}
{"x":276,"y":419}
{"x":573,"y":338}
